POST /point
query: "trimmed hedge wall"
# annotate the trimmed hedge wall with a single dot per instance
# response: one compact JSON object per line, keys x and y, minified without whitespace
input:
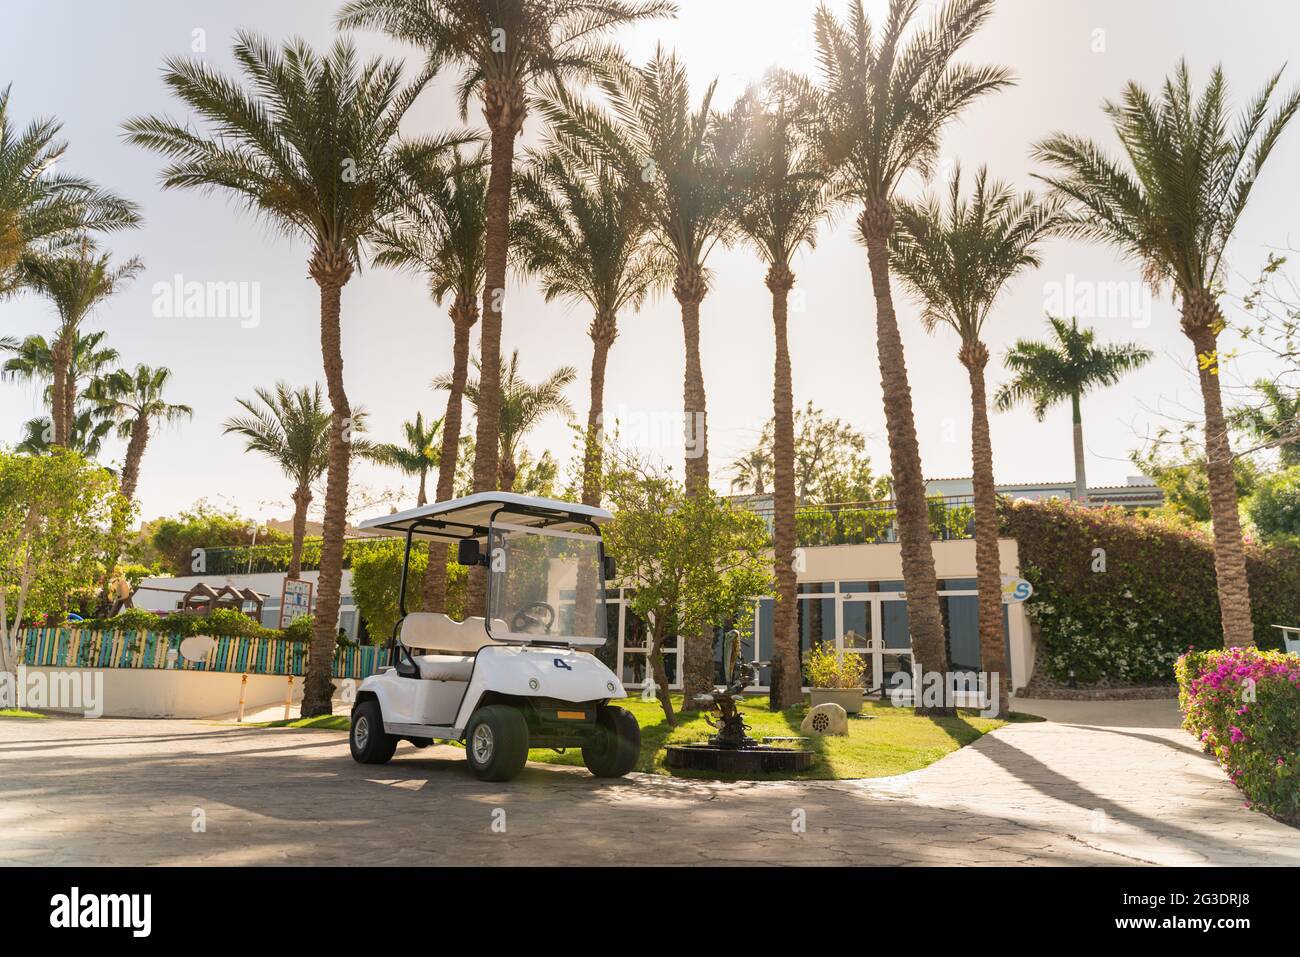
{"x":1125,"y":613}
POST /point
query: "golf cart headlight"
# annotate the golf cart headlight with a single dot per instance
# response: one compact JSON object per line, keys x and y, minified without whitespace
{"x":609,"y":685}
{"x":534,"y":684}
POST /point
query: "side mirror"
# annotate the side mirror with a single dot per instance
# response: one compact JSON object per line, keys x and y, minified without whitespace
{"x":610,"y":573}
{"x":468,"y":552}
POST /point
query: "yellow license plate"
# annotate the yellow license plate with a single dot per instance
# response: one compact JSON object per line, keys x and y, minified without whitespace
{"x":571,"y":715}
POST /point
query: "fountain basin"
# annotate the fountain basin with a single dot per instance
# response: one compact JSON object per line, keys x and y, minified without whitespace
{"x":757,"y":759}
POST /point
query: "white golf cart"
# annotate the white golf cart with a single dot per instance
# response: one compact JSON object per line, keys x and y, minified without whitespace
{"x":519,"y":678}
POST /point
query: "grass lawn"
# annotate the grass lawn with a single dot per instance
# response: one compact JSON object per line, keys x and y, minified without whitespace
{"x":885,"y":740}
{"x":19,"y":713}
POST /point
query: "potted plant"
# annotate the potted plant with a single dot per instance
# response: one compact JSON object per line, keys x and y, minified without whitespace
{"x":835,"y":677}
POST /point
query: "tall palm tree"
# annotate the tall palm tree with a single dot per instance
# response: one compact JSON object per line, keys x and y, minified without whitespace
{"x":584,"y":231}
{"x":1066,"y":367}
{"x":956,"y":259}
{"x":75,"y":281}
{"x":439,"y":231}
{"x":308,"y":145}
{"x":418,"y":455}
{"x":42,"y":209}
{"x":503,"y":47}
{"x":133,"y":400}
{"x":885,"y":100}
{"x":523,"y":406}
{"x":32,"y":361}
{"x":1274,"y":420}
{"x":291,"y":427}
{"x":783,"y":196}
{"x":1190,"y":172}
{"x":654,"y":136}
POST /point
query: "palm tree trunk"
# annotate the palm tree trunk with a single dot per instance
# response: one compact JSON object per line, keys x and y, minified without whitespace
{"x":60,"y":406}
{"x":787,"y":673}
{"x":690,"y":288}
{"x":506,"y":472}
{"x":301,"y":501}
{"x":496,"y":249}
{"x":603,"y":331}
{"x":1080,"y":479}
{"x":1202,"y":322}
{"x":925,"y":621}
{"x":464,"y":313}
{"x":988,"y":566}
{"x":331,"y":270}
{"x":134,"y":455}
{"x":422,"y":495}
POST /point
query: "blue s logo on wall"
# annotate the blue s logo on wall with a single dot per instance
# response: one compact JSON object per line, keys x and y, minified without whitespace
{"x":561,"y":663}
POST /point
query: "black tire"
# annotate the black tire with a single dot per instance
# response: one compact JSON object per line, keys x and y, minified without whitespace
{"x":369,"y":742}
{"x":617,"y":746}
{"x":496,"y":742}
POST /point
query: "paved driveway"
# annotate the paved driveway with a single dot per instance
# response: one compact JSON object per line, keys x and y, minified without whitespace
{"x":1088,"y":789}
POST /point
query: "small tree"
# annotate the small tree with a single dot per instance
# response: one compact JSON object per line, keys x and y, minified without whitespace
{"x":691,"y":562}
{"x":56,"y":511}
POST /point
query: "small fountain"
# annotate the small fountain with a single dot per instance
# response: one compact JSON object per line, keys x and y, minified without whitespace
{"x":732,"y":750}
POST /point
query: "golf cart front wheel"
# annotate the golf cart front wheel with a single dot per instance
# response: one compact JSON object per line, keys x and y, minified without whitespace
{"x":496,"y":742}
{"x":617,"y":744}
{"x":369,"y":742}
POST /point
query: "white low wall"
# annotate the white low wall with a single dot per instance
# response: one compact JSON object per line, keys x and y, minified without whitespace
{"x":159,"y":693}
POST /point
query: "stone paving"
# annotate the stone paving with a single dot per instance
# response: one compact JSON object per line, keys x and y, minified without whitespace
{"x":1104,"y":784}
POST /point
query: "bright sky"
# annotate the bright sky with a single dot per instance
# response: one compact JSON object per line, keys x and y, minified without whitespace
{"x":93,"y":64}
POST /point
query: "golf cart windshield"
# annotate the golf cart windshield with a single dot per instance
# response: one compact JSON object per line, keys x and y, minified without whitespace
{"x":545,"y":585}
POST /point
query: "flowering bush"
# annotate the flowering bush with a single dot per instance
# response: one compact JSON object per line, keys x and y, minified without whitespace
{"x":1244,"y":706}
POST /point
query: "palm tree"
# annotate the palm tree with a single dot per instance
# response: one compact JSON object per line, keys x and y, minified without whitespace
{"x":1190,"y":174}
{"x":418,"y":455}
{"x":439,"y":232}
{"x":291,"y":427}
{"x":1066,"y":367}
{"x":523,"y":406}
{"x":784,"y":195}
{"x":86,"y":436}
{"x":309,"y":146}
{"x":133,"y":401}
{"x":1275,"y":420}
{"x":33,"y":362}
{"x":656,"y":138}
{"x":751,"y":472}
{"x":884,"y":102}
{"x":956,"y":261}
{"x":504,"y":48}
{"x":583,"y":230}
{"x":41,"y":209}
{"x":76,"y":282}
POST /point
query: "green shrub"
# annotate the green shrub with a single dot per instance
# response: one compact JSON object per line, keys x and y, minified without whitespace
{"x":1119,"y":597}
{"x":1244,"y":706}
{"x":300,"y":628}
{"x":223,"y":622}
{"x":1275,"y":506}
{"x":377,"y":575}
{"x":826,"y":668}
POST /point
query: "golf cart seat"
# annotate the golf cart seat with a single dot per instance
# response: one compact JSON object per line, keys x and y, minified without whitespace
{"x":444,"y":667}
{"x":437,"y":632}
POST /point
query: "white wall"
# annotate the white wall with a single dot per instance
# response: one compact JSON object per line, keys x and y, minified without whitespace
{"x":160,"y":693}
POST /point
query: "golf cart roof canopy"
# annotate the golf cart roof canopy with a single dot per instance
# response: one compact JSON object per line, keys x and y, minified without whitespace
{"x":470,"y":516}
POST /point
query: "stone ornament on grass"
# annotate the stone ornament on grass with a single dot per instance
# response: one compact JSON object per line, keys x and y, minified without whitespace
{"x":826,"y":719}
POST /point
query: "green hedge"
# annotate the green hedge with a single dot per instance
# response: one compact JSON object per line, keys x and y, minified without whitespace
{"x":1155,"y":598}
{"x":1244,"y":706}
{"x":223,"y":622}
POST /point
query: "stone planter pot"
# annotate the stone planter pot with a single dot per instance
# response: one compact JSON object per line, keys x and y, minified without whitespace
{"x":850,"y":699}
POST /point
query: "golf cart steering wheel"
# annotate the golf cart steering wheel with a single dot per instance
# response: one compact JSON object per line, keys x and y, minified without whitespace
{"x":535,"y":618}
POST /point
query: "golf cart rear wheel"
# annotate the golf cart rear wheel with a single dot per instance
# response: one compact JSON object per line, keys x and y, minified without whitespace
{"x":617,"y":745}
{"x":496,"y":742}
{"x":369,"y":742}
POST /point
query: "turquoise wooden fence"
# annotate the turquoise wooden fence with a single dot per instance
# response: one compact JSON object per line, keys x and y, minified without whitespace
{"x":78,"y":648}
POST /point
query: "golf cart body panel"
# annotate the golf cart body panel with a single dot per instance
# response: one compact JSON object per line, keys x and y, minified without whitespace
{"x":519,"y":678}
